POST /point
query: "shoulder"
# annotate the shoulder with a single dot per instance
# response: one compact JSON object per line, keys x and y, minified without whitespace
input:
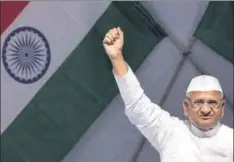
{"x":226,"y":134}
{"x":226,"y":131}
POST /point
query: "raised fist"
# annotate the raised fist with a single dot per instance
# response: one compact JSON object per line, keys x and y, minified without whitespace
{"x":113,"y":43}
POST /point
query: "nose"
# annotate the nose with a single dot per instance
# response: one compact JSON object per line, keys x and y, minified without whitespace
{"x":205,"y":110}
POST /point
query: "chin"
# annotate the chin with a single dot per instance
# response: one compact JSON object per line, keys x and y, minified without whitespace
{"x":206,"y":125}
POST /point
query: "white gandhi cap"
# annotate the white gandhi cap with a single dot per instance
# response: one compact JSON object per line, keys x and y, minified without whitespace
{"x":204,"y":83}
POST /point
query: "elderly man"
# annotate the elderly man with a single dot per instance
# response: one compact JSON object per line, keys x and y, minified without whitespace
{"x":200,"y":139}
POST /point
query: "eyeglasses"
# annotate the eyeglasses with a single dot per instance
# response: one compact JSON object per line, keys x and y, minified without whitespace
{"x":199,"y":103}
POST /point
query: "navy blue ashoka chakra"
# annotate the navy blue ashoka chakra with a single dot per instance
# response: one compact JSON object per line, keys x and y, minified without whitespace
{"x":26,"y":54}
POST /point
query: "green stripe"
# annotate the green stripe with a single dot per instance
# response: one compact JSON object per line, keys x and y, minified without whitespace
{"x":216,"y":28}
{"x":63,"y":109}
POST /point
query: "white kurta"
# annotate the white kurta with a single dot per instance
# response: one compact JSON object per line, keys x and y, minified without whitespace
{"x":174,"y":139}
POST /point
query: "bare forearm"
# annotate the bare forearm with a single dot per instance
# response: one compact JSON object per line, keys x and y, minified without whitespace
{"x":119,"y":65}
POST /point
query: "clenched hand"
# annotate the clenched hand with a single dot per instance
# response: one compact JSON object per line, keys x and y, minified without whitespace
{"x":113,"y":43}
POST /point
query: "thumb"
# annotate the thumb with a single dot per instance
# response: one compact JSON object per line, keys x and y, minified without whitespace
{"x":121,"y":34}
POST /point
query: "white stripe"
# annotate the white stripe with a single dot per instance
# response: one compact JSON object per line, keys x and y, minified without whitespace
{"x":64,"y":24}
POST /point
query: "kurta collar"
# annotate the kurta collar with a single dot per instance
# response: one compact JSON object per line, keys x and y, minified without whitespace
{"x":203,"y":134}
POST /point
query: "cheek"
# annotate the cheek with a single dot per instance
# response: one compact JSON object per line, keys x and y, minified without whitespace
{"x":192,"y":111}
{"x":193,"y":114}
{"x":219,"y":113}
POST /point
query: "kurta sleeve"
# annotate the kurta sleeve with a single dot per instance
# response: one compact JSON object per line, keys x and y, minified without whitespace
{"x":152,"y":121}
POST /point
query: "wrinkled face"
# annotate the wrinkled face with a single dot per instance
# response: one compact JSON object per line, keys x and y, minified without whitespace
{"x":204,"y":109}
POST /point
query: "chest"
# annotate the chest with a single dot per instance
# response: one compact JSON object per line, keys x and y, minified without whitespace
{"x":184,"y":148}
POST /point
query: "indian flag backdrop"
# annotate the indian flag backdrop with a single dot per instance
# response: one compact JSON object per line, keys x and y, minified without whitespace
{"x":55,"y":76}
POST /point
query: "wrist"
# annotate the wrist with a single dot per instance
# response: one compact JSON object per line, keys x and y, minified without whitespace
{"x":118,"y":58}
{"x":119,"y":65}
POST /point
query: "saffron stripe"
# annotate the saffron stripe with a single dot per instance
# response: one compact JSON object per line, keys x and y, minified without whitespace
{"x":9,"y":11}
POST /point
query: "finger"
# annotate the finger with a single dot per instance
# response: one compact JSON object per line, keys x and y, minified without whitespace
{"x":109,"y":35}
{"x":105,"y":45}
{"x":114,"y":32}
{"x":107,"y":40}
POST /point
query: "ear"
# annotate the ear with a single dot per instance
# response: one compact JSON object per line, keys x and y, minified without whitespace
{"x":185,"y":107}
{"x":222,"y":107}
{"x":223,"y":103}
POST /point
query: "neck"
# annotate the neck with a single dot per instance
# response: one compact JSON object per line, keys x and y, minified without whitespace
{"x":206,"y":129}
{"x":204,"y":132}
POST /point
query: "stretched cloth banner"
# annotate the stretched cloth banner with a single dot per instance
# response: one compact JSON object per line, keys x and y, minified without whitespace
{"x":56,"y":78}
{"x":216,"y":28}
